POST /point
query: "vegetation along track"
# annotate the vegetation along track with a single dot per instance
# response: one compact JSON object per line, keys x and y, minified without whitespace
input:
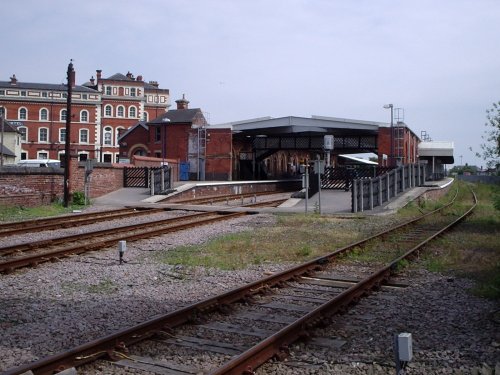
{"x":67,"y":221}
{"x":59,"y":247}
{"x":259,"y":320}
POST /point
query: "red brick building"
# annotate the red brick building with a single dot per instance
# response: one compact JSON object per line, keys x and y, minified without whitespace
{"x":403,"y":141}
{"x":182,"y":134}
{"x":99,"y":110}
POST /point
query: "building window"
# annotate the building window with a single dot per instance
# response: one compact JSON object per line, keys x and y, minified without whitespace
{"x":62,"y":135}
{"x":65,"y":95}
{"x":23,"y":93}
{"x":82,"y":157}
{"x":84,"y":136}
{"x":3,"y":113}
{"x":157,"y":134}
{"x":24,"y":155}
{"x":44,"y":94}
{"x":23,"y":114}
{"x":118,"y":132}
{"x":132,"y":112}
{"x":44,"y":114}
{"x":43,"y":135}
{"x":107,"y":158}
{"x":145,"y":116}
{"x":108,"y":111}
{"x":42,"y":155}
{"x":108,"y":90}
{"x":84,"y":116}
{"x":108,"y":136}
{"x":132,"y":91}
{"x":24,"y":133}
{"x":2,"y":92}
{"x":120,"y":111}
{"x":63,"y":115}
{"x":85,"y":96}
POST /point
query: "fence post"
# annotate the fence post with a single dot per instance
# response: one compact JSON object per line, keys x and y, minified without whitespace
{"x":403,"y":184}
{"x":354,"y":196}
{"x":395,"y":182}
{"x":162,"y":176}
{"x":151,"y":176}
{"x":125,"y":177}
{"x":371,"y":194}
{"x":379,"y":191}
{"x":361,"y":194}
{"x":388,"y":187}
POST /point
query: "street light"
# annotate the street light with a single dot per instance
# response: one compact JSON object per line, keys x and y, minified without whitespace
{"x":391,"y":155}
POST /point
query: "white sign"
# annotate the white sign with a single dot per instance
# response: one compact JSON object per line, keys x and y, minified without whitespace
{"x":328,"y":142}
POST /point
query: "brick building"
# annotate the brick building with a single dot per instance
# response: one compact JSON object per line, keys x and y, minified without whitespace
{"x":403,"y":141}
{"x":100,"y":108}
{"x":182,"y":134}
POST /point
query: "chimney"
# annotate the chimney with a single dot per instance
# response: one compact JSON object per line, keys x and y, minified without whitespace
{"x":139,"y":78}
{"x":182,"y":103}
{"x":92,"y":81}
{"x":13,"y":80}
{"x":98,"y":74}
{"x":153,"y":83}
{"x":130,"y":75}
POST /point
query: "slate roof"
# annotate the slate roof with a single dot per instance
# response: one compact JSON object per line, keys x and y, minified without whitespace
{"x":120,"y":77}
{"x":132,"y":128}
{"x":43,"y":86}
{"x":7,"y":151}
{"x":8,"y":127}
{"x":177,"y":115}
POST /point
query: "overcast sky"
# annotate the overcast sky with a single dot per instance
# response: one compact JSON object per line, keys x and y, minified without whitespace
{"x":439,"y":60}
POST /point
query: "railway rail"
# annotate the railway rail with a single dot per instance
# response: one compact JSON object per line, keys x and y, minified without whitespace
{"x":68,"y":221}
{"x":55,"y":248}
{"x":263,"y":317}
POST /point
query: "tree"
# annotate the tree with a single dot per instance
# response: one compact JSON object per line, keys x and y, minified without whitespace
{"x":491,"y":147}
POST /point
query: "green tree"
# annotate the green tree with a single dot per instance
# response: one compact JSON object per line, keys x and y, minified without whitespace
{"x":491,"y":147}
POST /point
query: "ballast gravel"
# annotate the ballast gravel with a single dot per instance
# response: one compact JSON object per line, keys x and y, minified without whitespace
{"x":57,"y":306}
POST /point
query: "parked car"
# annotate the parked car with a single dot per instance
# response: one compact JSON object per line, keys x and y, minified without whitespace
{"x":44,"y":163}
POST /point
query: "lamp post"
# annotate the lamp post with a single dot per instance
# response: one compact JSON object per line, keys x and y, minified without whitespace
{"x":1,"y":140}
{"x":391,"y":154}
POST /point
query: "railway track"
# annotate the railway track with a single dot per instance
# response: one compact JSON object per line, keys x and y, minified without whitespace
{"x":237,"y":331}
{"x":56,"y":248}
{"x":68,"y":221}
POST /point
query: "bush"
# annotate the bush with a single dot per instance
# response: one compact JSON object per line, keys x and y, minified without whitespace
{"x":79,"y":198}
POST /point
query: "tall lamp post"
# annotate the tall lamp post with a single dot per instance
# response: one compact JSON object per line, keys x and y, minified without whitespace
{"x":391,"y":155}
{"x":67,"y":150}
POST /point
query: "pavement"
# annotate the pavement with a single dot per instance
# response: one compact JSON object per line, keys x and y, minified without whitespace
{"x":325,"y":202}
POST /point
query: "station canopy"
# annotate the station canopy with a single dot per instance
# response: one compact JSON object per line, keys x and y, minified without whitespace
{"x":441,"y":150}
{"x":351,"y":136}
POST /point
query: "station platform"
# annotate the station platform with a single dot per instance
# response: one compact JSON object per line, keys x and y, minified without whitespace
{"x":328,"y":201}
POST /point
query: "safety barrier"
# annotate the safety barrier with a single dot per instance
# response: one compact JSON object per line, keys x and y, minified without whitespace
{"x":368,"y":193}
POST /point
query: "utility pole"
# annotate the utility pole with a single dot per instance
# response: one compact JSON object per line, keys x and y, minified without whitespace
{"x":67,"y":156}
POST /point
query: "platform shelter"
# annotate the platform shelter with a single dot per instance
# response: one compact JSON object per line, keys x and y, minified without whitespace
{"x":436,"y":154}
{"x":275,"y":147}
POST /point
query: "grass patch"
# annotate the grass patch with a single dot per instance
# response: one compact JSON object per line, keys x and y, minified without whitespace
{"x":104,"y":287}
{"x":17,"y":213}
{"x":472,"y":249}
{"x":294,"y":238}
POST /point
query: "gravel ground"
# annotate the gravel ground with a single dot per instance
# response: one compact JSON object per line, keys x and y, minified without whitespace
{"x":59,"y":305}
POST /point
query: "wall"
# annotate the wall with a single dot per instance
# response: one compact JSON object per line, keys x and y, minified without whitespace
{"x":30,"y":187}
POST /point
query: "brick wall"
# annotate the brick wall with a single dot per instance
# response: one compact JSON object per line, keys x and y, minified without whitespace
{"x":31,"y":187}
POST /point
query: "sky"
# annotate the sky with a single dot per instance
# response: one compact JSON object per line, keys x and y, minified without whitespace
{"x":437,"y":60}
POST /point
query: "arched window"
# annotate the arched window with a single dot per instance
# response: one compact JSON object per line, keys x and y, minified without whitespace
{"x":84,"y":116}
{"x":44,"y":114}
{"x":118,"y":131}
{"x":108,"y":111}
{"x":23,"y":114}
{"x":108,"y":136}
{"x":132,"y":112}
{"x":63,"y":115}
{"x":120,"y":111}
{"x":43,"y":135}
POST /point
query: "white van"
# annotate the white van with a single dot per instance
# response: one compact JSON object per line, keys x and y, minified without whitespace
{"x":43,"y":163}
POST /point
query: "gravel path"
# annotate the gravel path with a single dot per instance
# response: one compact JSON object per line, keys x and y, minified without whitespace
{"x":60,"y":305}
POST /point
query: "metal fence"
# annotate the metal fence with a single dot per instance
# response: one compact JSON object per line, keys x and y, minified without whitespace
{"x":340,"y":178}
{"x":368,"y":193}
{"x":160,"y":180}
